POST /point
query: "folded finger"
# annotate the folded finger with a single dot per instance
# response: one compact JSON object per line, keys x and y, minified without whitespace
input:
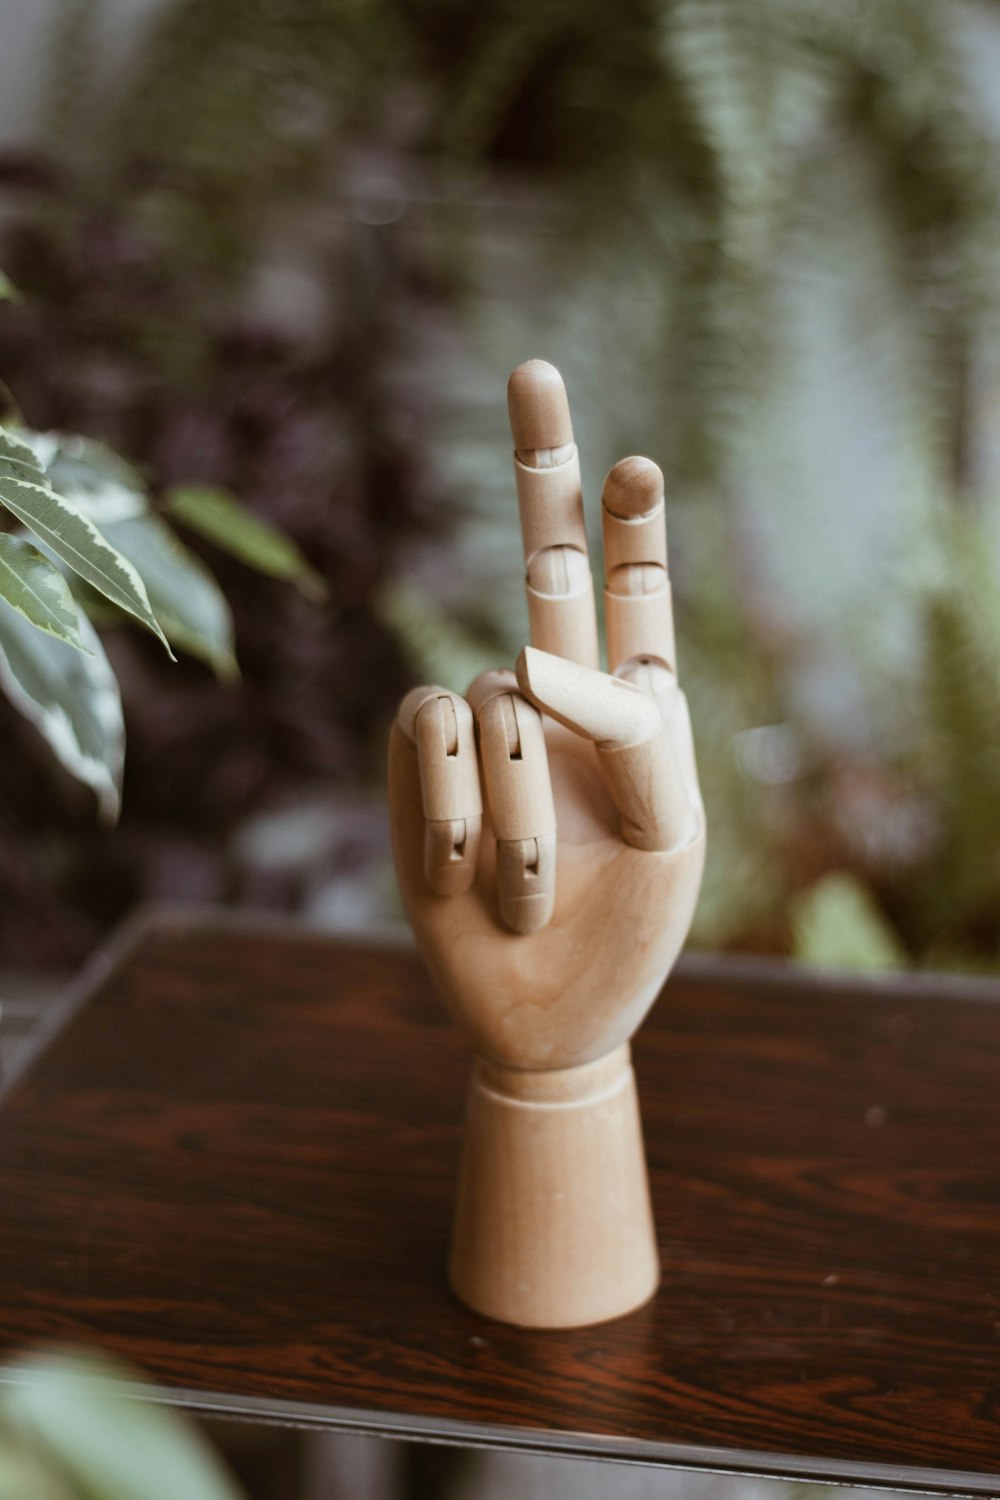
{"x":638,"y":609}
{"x":635,"y":748}
{"x":441,"y":726}
{"x":519,"y":791}
{"x":661,"y":685}
{"x":558,"y":581}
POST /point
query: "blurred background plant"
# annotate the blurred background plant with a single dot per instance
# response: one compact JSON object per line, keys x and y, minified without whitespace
{"x":291,"y":249}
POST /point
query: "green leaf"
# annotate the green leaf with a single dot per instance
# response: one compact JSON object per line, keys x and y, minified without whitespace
{"x":38,"y":591}
{"x":188,"y":602}
{"x":64,"y":528}
{"x":72,"y":699}
{"x":836,"y":925}
{"x":93,"y":476}
{"x":109,"y":1441}
{"x":27,"y":1474}
{"x":8,"y":291}
{"x":18,"y":459}
{"x":220,"y":518}
{"x":99,"y":611}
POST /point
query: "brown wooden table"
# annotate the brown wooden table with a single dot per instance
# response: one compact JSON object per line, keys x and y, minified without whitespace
{"x":232,"y":1163}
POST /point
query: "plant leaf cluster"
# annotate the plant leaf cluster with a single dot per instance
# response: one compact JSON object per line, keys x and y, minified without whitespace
{"x":90,"y":542}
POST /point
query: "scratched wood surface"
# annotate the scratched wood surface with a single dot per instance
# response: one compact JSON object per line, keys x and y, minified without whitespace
{"x":234,"y":1163}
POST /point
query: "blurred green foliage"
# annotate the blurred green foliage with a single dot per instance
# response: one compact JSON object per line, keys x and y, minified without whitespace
{"x":79,"y":1426}
{"x":760,"y":239}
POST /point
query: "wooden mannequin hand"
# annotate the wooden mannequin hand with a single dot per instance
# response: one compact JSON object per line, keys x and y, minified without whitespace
{"x":551,"y":878}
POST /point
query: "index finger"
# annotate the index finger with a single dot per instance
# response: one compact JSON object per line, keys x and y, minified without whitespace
{"x":558,"y":582}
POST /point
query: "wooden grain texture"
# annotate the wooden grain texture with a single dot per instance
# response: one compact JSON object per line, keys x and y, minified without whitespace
{"x":235,"y":1164}
{"x":553,"y":1221}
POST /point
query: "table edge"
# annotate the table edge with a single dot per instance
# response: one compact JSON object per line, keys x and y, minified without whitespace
{"x":700,"y":967}
{"x":106,"y":959}
{"x":449,"y":1432}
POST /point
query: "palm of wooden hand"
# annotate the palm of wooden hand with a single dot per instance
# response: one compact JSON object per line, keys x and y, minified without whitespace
{"x":550,"y":863}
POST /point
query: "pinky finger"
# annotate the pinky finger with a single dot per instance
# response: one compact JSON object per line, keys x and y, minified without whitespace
{"x":441,"y":726}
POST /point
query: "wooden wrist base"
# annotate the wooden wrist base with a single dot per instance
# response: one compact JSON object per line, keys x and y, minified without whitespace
{"x":553,"y":1225}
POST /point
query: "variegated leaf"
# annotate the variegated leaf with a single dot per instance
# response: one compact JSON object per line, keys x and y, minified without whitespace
{"x":38,"y":591}
{"x":71,"y":698}
{"x":64,"y":528}
{"x":91,"y":475}
{"x":18,"y":457}
{"x":188,"y":602}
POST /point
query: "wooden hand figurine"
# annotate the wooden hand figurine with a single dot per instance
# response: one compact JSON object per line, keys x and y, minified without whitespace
{"x":549,"y":839}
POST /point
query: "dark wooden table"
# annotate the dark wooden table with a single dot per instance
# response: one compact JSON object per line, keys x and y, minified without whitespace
{"x":232,"y":1163}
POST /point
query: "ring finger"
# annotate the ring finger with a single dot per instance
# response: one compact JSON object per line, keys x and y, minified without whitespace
{"x":519,"y":793}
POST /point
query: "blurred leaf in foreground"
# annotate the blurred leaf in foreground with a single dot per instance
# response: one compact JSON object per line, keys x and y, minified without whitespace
{"x":85,"y":1415}
{"x":26,"y":1474}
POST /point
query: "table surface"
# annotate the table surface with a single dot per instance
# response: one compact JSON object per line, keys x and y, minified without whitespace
{"x":233,"y":1161}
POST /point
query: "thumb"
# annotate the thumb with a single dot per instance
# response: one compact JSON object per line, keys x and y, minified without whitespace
{"x":634,"y":747}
